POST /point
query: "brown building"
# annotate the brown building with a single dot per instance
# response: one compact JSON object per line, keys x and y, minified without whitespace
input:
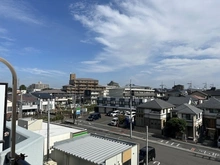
{"x":78,"y":86}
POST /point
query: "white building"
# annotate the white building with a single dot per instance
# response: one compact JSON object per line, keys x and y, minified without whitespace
{"x":57,"y":132}
{"x":92,"y":149}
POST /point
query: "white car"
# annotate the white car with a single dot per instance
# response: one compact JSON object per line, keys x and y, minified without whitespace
{"x":127,"y":113}
{"x":114,"y":121}
{"x":115,"y":113}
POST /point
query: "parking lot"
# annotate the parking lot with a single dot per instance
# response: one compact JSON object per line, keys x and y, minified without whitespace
{"x":103,"y":120}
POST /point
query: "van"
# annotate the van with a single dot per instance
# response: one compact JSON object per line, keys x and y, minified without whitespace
{"x":94,"y":116}
{"x":142,"y":154}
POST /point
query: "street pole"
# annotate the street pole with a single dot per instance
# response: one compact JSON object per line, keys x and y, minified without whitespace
{"x":146,"y":145}
{"x":130,"y":112}
{"x":14,"y":113}
{"x":20,"y":110}
{"x":48,"y":130}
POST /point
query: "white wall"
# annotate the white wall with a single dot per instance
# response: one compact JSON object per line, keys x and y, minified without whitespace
{"x":54,"y":139}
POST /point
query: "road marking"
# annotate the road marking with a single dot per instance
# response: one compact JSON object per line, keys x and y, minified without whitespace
{"x":161,"y":141}
{"x":167,"y":142}
{"x":158,"y":163}
{"x":177,"y":145}
{"x":172,"y":143}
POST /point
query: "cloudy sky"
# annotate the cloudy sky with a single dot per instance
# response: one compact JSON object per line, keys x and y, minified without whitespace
{"x":150,"y":42}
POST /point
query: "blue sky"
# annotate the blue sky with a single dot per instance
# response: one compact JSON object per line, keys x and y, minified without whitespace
{"x":149,"y":42}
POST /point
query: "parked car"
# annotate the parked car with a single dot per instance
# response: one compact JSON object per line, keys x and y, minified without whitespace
{"x":127,"y":113}
{"x":114,"y":121}
{"x":115,"y":113}
{"x":142,"y":154}
{"x":94,"y":116}
{"x":218,"y":142}
{"x":109,"y":113}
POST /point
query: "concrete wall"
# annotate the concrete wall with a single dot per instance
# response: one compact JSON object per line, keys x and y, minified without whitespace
{"x":54,"y":139}
{"x":30,"y":124}
{"x":28,"y":143}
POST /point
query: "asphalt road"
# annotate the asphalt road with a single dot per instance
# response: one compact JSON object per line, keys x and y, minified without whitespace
{"x":169,"y":152}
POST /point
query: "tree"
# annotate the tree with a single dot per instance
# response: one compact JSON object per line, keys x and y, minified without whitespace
{"x":22,"y":87}
{"x":9,"y":89}
{"x":174,"y":127}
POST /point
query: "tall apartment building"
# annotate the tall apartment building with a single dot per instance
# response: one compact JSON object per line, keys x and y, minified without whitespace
{"x":78,"y":86}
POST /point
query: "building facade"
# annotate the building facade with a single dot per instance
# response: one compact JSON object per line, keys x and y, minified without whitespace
{"x":78,"y":86}
{"x":193,"y":117}
{"x":37,"y":87}
{"x":153,"y":114}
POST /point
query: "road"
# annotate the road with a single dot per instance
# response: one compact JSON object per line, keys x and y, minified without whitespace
{"x":169,"y":152}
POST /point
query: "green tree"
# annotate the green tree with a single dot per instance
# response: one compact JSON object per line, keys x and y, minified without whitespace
{"x":9,"y":89}
{"x":174,"y":127}
{"x":22,"y":87}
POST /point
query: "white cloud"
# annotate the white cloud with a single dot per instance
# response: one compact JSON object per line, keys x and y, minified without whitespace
{"x":176,"y":37}
{"x":18,"y":10}
{"x":47,"y":73}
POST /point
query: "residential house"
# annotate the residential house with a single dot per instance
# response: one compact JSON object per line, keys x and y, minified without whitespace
{"x":154,"y":114}
{"x":46,"y":101}
{"x":27,"y":104}
{"x":193,"y":117}
{"x":213,"y":92}
{"x":211,"y":121}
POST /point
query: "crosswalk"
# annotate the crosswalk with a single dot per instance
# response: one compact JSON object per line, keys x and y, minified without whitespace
{"x":205,"y":152}
{"x":169,"y":143}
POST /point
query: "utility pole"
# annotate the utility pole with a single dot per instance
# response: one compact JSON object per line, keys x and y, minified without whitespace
{"x":48,"y":127}
{"x":130,"y":112}
{"x":146,"y":145}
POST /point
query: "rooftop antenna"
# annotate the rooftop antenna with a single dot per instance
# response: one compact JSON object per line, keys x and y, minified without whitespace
{"x":190,"y":86}
{"x":162,"y":85}
{"x":205,"y":86}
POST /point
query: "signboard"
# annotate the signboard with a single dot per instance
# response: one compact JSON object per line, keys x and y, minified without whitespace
{"x":3,"y":106}
{"x":78,"y":110}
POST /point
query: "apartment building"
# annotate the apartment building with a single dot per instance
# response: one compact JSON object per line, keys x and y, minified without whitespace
{"x":37,"y":87}
{"x":78,"y":86}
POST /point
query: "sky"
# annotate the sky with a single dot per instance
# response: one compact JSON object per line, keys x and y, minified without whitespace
{"x":145,"y":42}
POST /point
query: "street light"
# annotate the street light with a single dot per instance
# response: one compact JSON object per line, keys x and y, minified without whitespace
{"x":14,"y":101}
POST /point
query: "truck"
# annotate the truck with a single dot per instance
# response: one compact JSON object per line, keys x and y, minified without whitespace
{"x":142,"y":154}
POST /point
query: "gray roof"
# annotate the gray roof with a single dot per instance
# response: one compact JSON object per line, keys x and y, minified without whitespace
{"x":156,"y":104}
{"x":212,"y":103}
{"x":93,"y":148}
{"x":178,"y":100}
{"x":187,"y":109}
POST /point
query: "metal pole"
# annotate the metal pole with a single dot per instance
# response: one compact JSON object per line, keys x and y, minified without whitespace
{"x":146,"y":145}
{"x":14,"y":113}
{"x":130,"y":112}
{"x":20,"y":110}
{"x":48,"y":130}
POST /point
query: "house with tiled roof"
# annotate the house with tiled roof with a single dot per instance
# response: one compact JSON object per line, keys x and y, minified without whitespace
{"x":153,"y":114}
{"x":193,"y":117}
{"x":211,"y":117}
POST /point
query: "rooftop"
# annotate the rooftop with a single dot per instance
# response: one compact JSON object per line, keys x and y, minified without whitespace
{"x":93,"y":148}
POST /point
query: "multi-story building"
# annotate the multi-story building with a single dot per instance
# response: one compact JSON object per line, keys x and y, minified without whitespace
{"x":193,"y":117}
{"x":78,"y":86}
{"x":154,"y":114}
{"x":37,"y":87}
{"x":211,"y":120}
